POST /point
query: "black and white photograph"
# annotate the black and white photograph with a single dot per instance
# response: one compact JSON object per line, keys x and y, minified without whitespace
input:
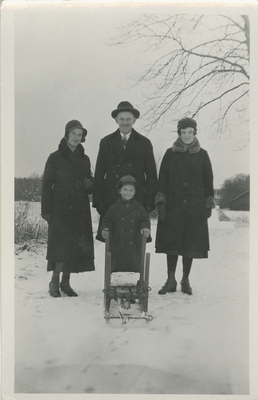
{"x":128,"y":243}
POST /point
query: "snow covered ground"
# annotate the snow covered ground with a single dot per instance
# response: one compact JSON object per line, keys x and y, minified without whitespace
{"x":195,"y":344}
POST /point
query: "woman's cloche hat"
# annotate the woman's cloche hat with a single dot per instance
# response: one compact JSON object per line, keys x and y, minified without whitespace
{"x":186,"y":123}
{"x":75,"y":124}
{"x":126,"y":180}
{"x":125,"y":106}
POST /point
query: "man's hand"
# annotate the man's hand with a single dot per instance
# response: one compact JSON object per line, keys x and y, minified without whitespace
{"x":105,"y":233}
{"x":145,"y":232}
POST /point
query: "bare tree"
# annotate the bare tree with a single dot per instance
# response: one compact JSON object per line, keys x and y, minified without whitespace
{"x":198,"y":66}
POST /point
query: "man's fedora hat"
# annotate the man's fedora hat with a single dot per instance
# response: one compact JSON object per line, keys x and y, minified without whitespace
{"x":125,"y":106}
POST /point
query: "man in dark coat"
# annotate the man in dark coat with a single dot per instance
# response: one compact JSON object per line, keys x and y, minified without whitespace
{"x":67,"y":182}
{"x":184,"y":200}
{"x":124,"y":152}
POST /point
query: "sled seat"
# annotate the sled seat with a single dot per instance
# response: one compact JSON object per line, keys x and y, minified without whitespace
{"x":127,"y":287}
{"x":124,"y":278}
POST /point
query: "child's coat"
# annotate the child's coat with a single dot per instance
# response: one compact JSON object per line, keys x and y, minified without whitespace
{"x":125,"y":225}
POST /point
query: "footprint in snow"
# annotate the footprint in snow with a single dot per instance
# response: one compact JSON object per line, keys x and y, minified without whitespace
{"x":49,"y":362}
{"x":89,"y":390}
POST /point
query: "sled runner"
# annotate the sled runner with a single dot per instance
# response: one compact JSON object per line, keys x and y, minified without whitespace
{"x":130,"y":301}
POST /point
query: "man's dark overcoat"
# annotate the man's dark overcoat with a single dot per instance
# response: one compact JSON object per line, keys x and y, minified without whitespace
{"x":114,"y":162}
{"x":125,"y":225}
{"x":186,"y":180}
{"x":70,"y":238}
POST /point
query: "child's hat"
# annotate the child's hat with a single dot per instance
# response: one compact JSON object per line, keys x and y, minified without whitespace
{"x":126,"y":180}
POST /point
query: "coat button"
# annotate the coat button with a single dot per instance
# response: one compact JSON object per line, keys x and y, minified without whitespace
{"x":185,"y":201}
{"x":72,"y":192}
{"x":122,"y":219}
{"x":131,"y":231}
{"x":130,"y":242}
{"x":71,"y":207}
{"x":130,"y":165}
{"x":185,"y":184}
{"x":117,"y":176}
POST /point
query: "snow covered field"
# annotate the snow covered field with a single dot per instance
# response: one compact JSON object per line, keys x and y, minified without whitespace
{"x":195,"y":344}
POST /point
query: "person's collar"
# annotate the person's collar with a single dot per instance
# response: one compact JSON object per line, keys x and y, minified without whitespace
{"x":66,"y":151}
{"x":127,"y":201}
{"x":180,"y":147}
{"x":125,"y":135}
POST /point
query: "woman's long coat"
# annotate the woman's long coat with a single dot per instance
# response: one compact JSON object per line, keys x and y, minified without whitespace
{"x":70,"y":238}
{"x":114,"y":162}
{"x":125,"y":225}
{"x":186,"y":180}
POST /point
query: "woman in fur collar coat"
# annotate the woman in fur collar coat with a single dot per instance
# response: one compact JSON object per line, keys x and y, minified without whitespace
{"x":67,"y":182}
{"x":184,"y":201}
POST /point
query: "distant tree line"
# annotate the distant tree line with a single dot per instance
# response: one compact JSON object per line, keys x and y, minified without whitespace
{"x":28,"y":189}
{"x":231,"y":188}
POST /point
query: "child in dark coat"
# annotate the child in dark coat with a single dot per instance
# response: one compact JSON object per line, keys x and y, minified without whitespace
{"x":125,"y":222}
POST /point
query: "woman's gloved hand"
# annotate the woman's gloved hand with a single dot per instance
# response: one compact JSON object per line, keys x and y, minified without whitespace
{"x":105,"y":233}
{"x":145,"y":232}
{"x":87,"y":183}
{"x":161,"y":211}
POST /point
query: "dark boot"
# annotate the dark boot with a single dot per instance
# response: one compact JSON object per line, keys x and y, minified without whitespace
{"x":185,"y":286}
{"x":170,"y":285}
{"x":54,"y":286}
{"x":65,"y":286}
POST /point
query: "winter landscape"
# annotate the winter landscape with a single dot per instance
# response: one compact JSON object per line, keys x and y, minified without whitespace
{"x":78,"y":60}
{"x":195,"y":344}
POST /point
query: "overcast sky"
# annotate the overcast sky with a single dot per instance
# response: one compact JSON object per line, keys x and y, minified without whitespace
{"x":65,"y":70}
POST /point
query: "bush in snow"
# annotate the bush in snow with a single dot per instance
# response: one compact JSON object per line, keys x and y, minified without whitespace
{"x":223,"y":216}
{"x":240,"y":218}
{"x":27,"y":228}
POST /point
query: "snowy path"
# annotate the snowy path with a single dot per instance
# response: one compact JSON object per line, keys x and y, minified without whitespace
{"x":194,"y":345}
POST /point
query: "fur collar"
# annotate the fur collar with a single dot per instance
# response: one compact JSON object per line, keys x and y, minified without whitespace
{"x":65,"y":150}
{"x":179,"y":146}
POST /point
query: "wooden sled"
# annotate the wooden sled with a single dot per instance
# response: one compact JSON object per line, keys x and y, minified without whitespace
{"x":128,"y":294}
